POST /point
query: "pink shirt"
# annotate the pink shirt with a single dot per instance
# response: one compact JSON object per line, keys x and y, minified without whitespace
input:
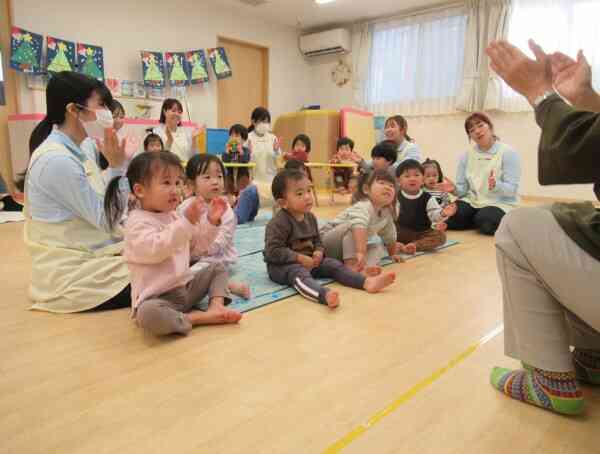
{"x":221,"y":249}
{"x":157,"y":251}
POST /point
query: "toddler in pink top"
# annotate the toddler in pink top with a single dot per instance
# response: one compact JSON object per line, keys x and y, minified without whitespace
{"x":158,"y":245}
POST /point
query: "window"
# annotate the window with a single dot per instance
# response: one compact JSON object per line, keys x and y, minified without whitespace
{"x":557,"y":25}
{"x":416,"y":63}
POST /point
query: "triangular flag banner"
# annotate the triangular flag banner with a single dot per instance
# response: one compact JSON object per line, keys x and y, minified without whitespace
{"x":196,"y":60}
{"x":153,"y":68}
{"x":220,"y":63}
{"x":177,"y":69}
{"x":90,"y":60}
{"x":60,"y":55}
{"x":26,"y":51}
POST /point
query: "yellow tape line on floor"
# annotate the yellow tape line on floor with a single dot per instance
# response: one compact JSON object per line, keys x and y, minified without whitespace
{"x":347,"y":439}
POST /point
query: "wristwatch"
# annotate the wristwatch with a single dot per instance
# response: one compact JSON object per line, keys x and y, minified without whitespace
{"x":540,"y":99}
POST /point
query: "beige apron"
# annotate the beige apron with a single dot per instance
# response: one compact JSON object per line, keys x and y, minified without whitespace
{"x":479,"y":168}
{"x":69,"y":273}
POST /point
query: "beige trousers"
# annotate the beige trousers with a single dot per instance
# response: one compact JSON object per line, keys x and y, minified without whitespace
{"x":551,"y":290}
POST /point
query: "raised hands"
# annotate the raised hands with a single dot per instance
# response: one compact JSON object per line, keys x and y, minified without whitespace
{"x":195,"y":210}
{"x":217,"y":208}
{"x":112,"y":149}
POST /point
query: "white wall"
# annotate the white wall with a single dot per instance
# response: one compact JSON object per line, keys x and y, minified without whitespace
{"x":443,"y":137}
{"x":124,"y":27}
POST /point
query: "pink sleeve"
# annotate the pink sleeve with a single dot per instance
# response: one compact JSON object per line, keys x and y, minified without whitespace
{"x":224,"y":237}
{"x":204,"y":234}
{"x":148,"y":243}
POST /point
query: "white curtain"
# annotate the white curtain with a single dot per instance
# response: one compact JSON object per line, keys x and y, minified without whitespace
{"x":361,"y":51}
{"x":487,"y":22}
{"x":564,"y":25}
{"x":416,"y":63}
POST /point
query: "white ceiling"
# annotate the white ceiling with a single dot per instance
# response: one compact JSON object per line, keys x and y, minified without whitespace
{"x":306,"y":14}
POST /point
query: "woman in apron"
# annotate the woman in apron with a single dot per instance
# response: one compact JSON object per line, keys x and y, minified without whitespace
{"x":487,"y":180}
{"x":175,"y":138}
{"x":76,"y":259}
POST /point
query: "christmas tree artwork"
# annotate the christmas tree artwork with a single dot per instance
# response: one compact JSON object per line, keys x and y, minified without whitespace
{"x":153,"y":69}
{"x":61,"y":55}
{"x":197,"y":61}
{"x":26,"y":51}
{"x":90,"y":60}
{"x":177,"y":68}
{"x":220,"y":64}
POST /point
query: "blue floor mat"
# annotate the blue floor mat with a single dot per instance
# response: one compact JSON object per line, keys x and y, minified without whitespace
{"x":252,"y":269}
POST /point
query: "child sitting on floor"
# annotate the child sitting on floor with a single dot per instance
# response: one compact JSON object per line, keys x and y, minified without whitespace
{"x":343,"y":154}
{"x":346,"y":237}
{"x":419,"y":212}
{"x":293,"y":249}
{"x":435,"y":183}
{"x":205,"y":176}
{"x":158,"y":242}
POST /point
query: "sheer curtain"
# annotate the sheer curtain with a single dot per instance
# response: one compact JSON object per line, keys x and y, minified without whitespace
{"x":565,"y":25}
{"x":416,"y":63}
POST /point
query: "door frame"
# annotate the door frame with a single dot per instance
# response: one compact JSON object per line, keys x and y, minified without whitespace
{"x":221,"y":42}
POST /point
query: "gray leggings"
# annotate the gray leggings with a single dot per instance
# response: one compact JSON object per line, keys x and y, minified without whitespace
{"x":339,"y":244}
{"x":304,"y":280}
{"x":165,"y":314}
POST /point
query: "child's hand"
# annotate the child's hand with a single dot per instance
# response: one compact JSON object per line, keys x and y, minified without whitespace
{"x":445,"y":186}
{"x":216,"y":210}
{"x":492,"y":181}
{"x":169,"y":139}
{"x":397,"y":258}
{"x":440,"y":227}
{"x":317,"y":258}
{"x":277,"y":143}
{"x":355,"y":157}
{"x":306,"y":261}
{"x":449,"y":211}
{"x":410,"y":248}
{"x":195,"y":210}
{"x":361,"y":261}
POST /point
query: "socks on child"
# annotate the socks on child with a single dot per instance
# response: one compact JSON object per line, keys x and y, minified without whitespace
{"x":587,"y":365}
{"x":555,"y":391}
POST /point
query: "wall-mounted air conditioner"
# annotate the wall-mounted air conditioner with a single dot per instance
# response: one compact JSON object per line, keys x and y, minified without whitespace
{"x":337,"y":41}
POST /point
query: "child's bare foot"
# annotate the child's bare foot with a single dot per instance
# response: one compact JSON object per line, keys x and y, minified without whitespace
{"x":214,"y":316}
{"x":333,"y":299}
{"x":240,"y":289}
{"x":410,"y":248}
{"x":378,"y":283}
{"x":372,"y":271}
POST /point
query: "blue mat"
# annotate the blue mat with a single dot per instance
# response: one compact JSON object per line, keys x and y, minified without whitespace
{"x":252,"y":269}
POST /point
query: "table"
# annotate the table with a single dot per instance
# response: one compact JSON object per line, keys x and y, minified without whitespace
{"x":239,"y":165}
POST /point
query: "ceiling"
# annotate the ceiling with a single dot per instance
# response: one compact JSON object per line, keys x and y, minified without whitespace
{"x":306,"y":14}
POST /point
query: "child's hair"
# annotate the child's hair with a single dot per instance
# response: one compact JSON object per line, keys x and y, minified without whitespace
{"x":479,"y":117}
{"x":141,"y":170}
{"x":199,"y":164}
{"x":240,"y":130}
{"x":409,"y":164}
{"x":304,"y":139}
{"x":153,"y":137}
{"x":345,"y":141}
{"x":259,"y":114}
{"x":280,"y":182}
{"x":117,"y":106}
{"x":433,"y":163}
{"x":386,"y":150}
{"x":402,"y":124}
{"x":167,"y":105}
{"x":295,"y":164}
{"x":367,"y":179}
{"x":63,"y":88}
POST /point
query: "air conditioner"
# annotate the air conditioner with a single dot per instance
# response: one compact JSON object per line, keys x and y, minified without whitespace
{"x":337,"y":41}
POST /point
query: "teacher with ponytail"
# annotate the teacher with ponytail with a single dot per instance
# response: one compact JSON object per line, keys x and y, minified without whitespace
{"x":76,"y":258}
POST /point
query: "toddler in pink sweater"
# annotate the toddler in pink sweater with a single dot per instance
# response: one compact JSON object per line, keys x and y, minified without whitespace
{"x":158,"y":245}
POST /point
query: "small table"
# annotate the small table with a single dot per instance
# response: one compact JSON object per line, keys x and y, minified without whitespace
{"x":239,"y":165}
{"x":330,"y":166}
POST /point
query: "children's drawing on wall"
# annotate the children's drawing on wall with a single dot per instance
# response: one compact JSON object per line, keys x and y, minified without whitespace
{"x":153,"y":68}
{"x":90,"y":60}
{"x":196,"y":60}
{"x":220,"y":63}
{"x":60,"y":55}
{"x":26,"y":51}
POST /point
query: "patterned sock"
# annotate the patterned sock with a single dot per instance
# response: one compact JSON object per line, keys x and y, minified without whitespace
{"x":555,"y":391}
{"x":587,"y":365}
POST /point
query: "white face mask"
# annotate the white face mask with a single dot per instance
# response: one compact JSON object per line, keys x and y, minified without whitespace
{"x":262,"y":128}
{"x":95,"y":128}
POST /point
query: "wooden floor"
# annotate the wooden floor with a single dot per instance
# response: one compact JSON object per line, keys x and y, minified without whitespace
{"x":293,"y":377}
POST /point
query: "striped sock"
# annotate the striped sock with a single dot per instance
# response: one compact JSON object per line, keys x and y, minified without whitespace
{"x":587,"y":365}
{"x":555,"y":391}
